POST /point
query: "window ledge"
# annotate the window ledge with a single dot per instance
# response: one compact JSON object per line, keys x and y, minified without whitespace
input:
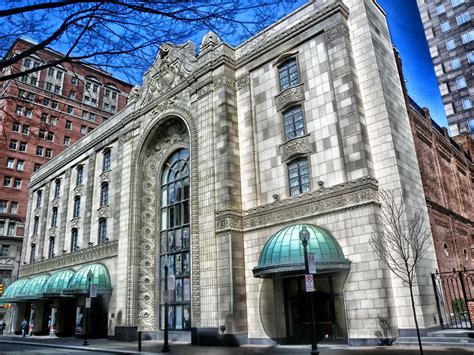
{"x":295,"y":147}
{"x":289,"y":96}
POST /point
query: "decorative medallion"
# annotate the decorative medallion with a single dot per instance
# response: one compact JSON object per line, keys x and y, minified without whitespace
{"x":243,"y":81}
{"x":55,"y":202}
{"x":37,"y":212}
{"x":52,"y":231}
{"x":75,"y":222}
{"x":105,"y":176}
{"x":78,"y":190}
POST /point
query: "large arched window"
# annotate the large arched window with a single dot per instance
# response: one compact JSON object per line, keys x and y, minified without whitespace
{"x":175,"y":240}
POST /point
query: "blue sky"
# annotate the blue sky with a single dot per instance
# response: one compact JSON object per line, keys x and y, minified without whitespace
{"x":408,"y":37}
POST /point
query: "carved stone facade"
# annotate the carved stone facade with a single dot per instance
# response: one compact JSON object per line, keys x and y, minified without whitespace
{"x":225,"y":107}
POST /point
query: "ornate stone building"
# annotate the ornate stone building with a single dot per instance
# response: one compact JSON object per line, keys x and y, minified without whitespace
{"x":213,"y":169}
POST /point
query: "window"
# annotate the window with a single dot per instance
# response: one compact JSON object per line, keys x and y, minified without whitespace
{"x":54,"y":217}
{"x":16,"y":127}
{"x":39,"y":195}
{"x":50,"y":136}
{"x":24,"y":79}
{"x":23,"y":147}
{"x":456,"y":2}
{"x":44,"y":118}
{"x":3,"y":207}
{"x":7,"y":181}
{"x":293,"y":123}
{"x":79,"y":175}
{"x":57,"y":188}
{"x":74,"y":80}
{"x":77,"y":207}
{"x":94,"y":102}
{"x":28,"y":113}
{"x":13,"y":144}
{"x":51,"y":72}
{"x":20,"y":165}
{"x":466,"y":103}
{"x":106,"y":106}
{"x":25,"y":130}
{"x":39,"y":151}
{"x":463,"y":18}
{"x":288,"y":74}
{"x":74,"y":240}
{"x":445,"y":26}
{"x":107,"y":92}
{"x":17,"y":183}
{"x":298,"y":173}
{"x":70,"y":109}
{"x":35,"y":225}
{"x":27,"y":63}
{"x":46,"y":101}
{"x":106,"y":160}
{"x":57,"y":89}
{"x":54,"y":104}
{"x":95,"y":87}
{"x":461,"y":82}
{"x":19,"y":110}
{"x":37,"y":166}
{"x":72,"y":95}
{"x":450,"y":44}
{"x":175,"y":238}
{"x":11,"y":230}
{"x":467,"y":37}
{"x":84,"y":114}
{"x":34,"y":81}
{"x":102,"y":230}
{"x":53,"y":120}
{"x":113,"y":108}
{"x":59,"y":75}
{"x":67,"y":141}
{"x":114,"y":96}
{"x":440,"y":9}
{"x":86,"y":100}
{"x":104,"y":194}
{"x":470,"y":57}
{"x":68,"y":125}
{"x":49,"y":87}
{"x":4,"y":250}
{"x":48,"y":153}
{"x":455,"y":63}
{"x":42,"y":134}
{"x":10,"y":163}
{"x":14,"y":207}
{"x":32,"y":252}
{"x":51,"y":247}
{"x":83,"y":130}
{"x":92,"y":116}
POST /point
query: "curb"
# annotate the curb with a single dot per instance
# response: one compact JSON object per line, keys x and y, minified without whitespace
{"x":73,"y":347}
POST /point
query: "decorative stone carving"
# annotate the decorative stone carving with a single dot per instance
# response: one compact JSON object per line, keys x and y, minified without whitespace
{"x":324,"y":200}
{"x":289,"y":97}
{"x":91,"y":254}
{"x":227,"y":221}
{"x":78,"y":190}
{"x":103,"y":212}
{"x":337,"y":31}
{"x":180,"y":100}
{"x":75,"y":222}
{"x":172,"y":64}
{"x":55,"y":202}
{"x":34,"y":238}
{"x":295,"y":147}
{"x":105,"y":176}
{"x":243,"y":81}
{"x":37,"y":212}
{"x":126,"y":137}
{"x":52,"y":231}
{"x":224,"y":80}
{"x":209,"y":41}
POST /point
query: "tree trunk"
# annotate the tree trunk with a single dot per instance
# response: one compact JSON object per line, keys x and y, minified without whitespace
{"x":414,"y":316}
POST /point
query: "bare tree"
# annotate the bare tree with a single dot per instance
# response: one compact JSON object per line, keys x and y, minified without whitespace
{"x":123,"y":35}
{"x":401,"y":242}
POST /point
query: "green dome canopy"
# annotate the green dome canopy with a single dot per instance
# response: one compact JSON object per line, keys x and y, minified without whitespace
{"x":57,"y":283}
{"x":283,"y":252}
{"x":34,"y":287}
{"x":13,"y":290}
{"x":100,"y":278}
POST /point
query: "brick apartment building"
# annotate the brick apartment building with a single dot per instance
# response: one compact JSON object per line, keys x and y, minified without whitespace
{"x":42,"y":114}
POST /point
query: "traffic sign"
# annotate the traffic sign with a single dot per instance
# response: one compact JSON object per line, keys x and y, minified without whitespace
{"x":309,"y":282}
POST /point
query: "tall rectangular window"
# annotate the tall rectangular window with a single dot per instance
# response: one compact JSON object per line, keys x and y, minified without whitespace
{"x":51,"y":247}
{"x":32,"y":252}
{"x":466,"y":103}
{"x":298,"y":173}
{"x":288,"y":74}
{"x":54,"y":217}
{"x":102,"y":230}
{"x":440,"y":9}
{"x":293,"y":123}
{"x":57,"y":188}
{"x":106,"y":160}
{"x":461,"y":82}
{"x":39,"y":196}
{"x":104,"y":194}
{"x":463,"y":18}
{"x":35,"y":225}
{"x":77,"y":207}
{"x":74,"y":240}
{"x":79,"y":175}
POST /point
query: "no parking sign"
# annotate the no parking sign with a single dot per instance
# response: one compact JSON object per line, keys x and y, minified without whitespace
{"x":309,"y":282}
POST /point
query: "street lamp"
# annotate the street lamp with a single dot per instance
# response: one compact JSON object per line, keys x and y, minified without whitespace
{"x":304,"y":237}
{"x":87,"y":306}
{"x":166,"y":347}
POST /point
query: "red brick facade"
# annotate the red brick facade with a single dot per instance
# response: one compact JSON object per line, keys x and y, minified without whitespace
{"x":41,"y":115}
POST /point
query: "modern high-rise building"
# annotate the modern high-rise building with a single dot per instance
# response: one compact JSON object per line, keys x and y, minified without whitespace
{"x":450,"y":35}
{"x":42,"y":114}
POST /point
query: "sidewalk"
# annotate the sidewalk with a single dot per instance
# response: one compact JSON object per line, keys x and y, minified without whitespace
{"x":154,"y":347}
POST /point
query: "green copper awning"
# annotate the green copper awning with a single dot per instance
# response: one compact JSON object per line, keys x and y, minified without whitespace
{"x":283,"y":252}
{"x":57,"y":283}
{"x":13,"y":290}
{"x":34,"y":287}
{"x":100,"y":278}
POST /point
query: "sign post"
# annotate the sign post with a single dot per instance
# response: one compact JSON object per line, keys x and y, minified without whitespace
{"x":308,"y":278}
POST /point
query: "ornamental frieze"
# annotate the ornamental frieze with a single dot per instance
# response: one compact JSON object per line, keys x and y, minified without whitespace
{"x":325,"y":200}
{"x":83,"y":256}
{"x":126,"y":137}
{"x":227,"y":221}
{"x":295,"y":147}
{"x":78,"y":190}
{"x":289,"y":97}
{"x":224,"y":80}
{"x":105,"y":176}
{"x":243,"y":81}
{"x":337,"y":31}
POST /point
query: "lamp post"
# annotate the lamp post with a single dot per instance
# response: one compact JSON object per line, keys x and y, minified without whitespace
{"x":166,"y":347}
{"x":304,"y":237}
{"x":87,"y":306}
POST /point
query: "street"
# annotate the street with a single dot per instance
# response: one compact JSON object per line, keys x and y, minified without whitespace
{"x":13,"y":349}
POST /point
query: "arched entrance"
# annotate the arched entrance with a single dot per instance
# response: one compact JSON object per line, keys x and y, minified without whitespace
{"x":282,"y":261}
